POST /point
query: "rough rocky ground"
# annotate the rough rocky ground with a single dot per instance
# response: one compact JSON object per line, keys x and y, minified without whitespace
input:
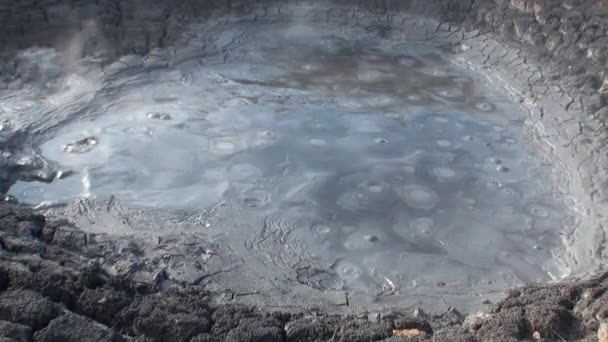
{"x":552,"y":54}
{"x":53,"y":288}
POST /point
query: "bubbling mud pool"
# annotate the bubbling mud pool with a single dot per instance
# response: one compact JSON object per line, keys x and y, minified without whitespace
{"x":386,"y":165}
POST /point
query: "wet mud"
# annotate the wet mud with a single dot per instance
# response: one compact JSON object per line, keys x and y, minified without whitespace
{"x":379,"y":163}
{"x":237,"y":237}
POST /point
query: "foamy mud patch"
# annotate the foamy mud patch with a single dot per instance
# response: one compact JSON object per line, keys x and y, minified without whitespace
{"x":385,"y":169}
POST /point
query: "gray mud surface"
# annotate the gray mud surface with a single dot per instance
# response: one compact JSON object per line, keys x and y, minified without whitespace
{"x":239,"y":241}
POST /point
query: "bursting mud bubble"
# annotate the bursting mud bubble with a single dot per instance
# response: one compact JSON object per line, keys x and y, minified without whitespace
{"x":308,"y":158}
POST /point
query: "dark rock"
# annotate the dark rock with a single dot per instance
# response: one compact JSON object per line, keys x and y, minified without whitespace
{"x":359,"y":330}
{"x":510,"y":324}
{"x":550,"y":320}
{"x":74,"y":328}
{"x":163,"y":326}
{"x":310,"y":329}
{"x":17,"y":332}
{"x":27,"y":307}
{"x":251,"y":331}
{"x":174,"y":316}
{"x":48,"y":279}
{"x":102,"y":304}
{"x":3,"y":279}
{"x":19,"y":245}
{"x":203,"y":338}
{"x":245,"y":324}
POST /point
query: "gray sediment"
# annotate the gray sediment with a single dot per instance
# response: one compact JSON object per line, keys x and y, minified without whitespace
{"x":91,"y":257}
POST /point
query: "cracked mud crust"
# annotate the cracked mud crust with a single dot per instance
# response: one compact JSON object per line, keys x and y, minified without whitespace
{"x":60,"y":272}
{"x":53,"y":287}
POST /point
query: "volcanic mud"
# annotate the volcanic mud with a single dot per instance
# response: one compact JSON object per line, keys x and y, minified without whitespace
{"x":54,"y":287}
{"x":303,"y":171}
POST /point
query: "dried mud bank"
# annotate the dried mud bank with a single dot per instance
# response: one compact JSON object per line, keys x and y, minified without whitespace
{"x":557,"y":66}
{"x":54,"y":288}
{"x":58,"y":275}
